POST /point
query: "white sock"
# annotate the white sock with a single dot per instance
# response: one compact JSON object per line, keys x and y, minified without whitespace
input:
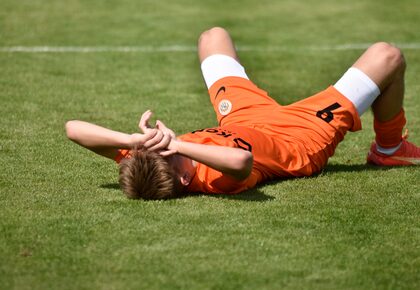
{"x":356,"y":86}
{"x":218,"y":66}
{"x":387,"y":151}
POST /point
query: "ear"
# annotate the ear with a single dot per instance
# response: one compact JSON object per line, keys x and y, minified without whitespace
{"x":185,"y":179}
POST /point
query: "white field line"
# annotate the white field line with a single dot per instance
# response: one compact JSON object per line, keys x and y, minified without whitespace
{"x":185,"y":48}
{"x":87,"y":49}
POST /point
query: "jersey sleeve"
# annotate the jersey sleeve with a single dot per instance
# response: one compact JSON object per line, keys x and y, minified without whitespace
{"x":209,"y":180}
{"x":122,"y":153}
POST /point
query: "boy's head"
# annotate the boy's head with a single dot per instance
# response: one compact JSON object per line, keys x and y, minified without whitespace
{"x":148,"y":175}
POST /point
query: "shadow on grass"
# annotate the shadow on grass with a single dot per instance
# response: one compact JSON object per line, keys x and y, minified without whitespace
{"x":115,"y":186}
{"x":250,"y":195}
{"x":353,"y":168}
{"x":254,"y":194}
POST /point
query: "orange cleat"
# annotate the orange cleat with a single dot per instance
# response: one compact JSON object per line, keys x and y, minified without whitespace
{"x":407,"y":154}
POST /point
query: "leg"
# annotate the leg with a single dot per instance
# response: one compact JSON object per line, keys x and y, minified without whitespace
{"x":216,"y":41}
{"x":230,"y":90}
{"x":384,"y":64}
{"x":218,"y":56}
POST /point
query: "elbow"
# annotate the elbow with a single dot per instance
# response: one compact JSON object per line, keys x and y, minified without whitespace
{"x":244,"y":165}
{"x":71,"y":131}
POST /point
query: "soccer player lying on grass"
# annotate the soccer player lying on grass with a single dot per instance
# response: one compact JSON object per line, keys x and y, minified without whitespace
{"x":258,"y":139}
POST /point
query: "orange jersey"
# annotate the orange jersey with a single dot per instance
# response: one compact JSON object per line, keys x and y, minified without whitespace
{"x":272,"y":158}
{"x":286,"y":141}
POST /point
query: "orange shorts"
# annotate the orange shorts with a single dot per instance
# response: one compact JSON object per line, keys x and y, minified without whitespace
{"x":317,"y":123}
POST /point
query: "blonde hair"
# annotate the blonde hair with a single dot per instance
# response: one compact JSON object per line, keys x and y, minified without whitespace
{"x":148,"y":175}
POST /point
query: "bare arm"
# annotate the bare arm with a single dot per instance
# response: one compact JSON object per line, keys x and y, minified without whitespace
{"x":100,"y":140}
{"x":106,"y":142}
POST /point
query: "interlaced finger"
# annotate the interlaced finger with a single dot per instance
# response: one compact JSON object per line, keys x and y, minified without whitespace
{"x":155,"y":140}
{"x":163,"y":144}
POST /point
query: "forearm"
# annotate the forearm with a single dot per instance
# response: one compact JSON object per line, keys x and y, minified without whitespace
{"x":94,"y":136}
{"x":98,"y":139}
{"x":232,"y":161}
{"x":106,"y":142}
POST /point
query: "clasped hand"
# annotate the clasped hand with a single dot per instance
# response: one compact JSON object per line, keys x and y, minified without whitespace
{"x":158,"y":138}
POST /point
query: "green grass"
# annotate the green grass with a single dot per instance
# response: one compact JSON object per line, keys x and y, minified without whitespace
{"x":64,"y":224}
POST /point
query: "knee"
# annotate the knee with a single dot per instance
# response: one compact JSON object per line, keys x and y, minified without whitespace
{"x":212,"y":35}
{"x":389,"y":55}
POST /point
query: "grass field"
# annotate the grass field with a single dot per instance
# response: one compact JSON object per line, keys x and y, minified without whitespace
{"x":64,"y":223}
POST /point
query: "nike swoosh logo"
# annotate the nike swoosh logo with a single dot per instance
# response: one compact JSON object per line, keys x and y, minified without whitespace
{"x":413,"y":160}
{"x":220,"y":90}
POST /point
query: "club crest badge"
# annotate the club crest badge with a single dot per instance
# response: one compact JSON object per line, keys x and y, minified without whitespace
{"x":225,"y":106}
